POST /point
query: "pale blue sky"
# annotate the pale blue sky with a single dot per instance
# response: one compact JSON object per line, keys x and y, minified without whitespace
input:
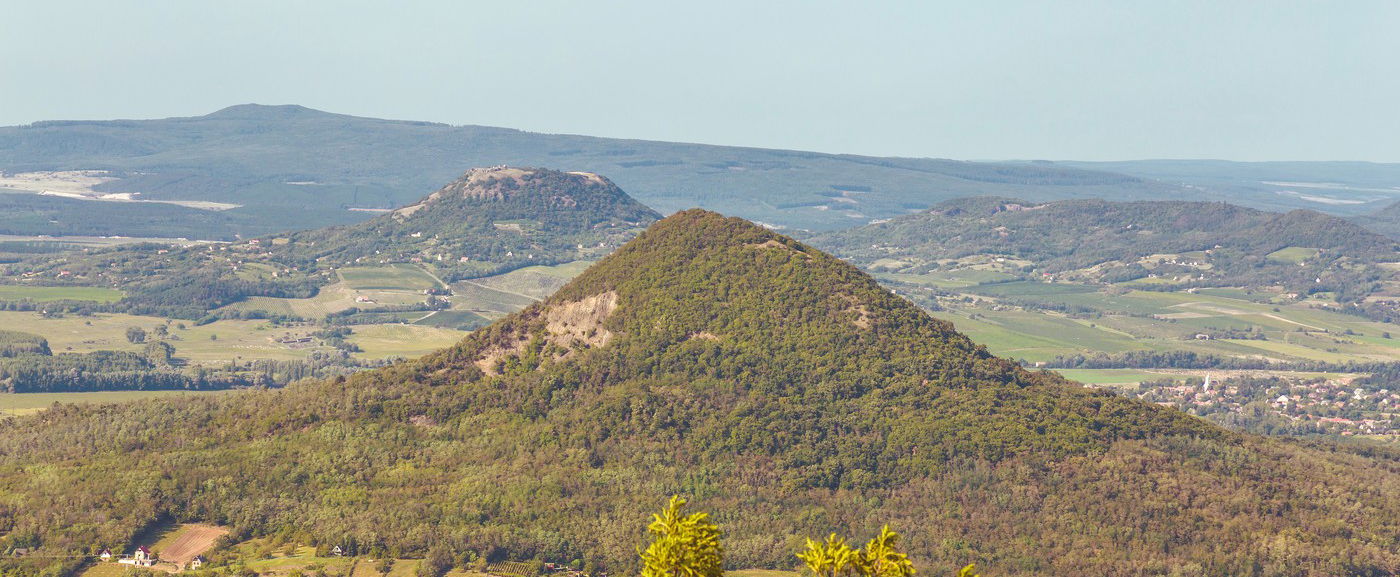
{"x":1259,"y":80}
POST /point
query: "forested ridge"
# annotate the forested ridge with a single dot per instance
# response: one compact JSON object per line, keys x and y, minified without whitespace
{"x":1226,"y":245}
{"x":486,"y":222}
{"x":769,"y":382}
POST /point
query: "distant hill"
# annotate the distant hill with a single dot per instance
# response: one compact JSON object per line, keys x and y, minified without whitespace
{"x":1175,"y":243}
{"x":778,"y":387}
{"x":1336,"y":187}
{"x":1385,"y":221}
{"x":490,"y":219}
{"x":487,"y":221}
{"x":278,"y":161}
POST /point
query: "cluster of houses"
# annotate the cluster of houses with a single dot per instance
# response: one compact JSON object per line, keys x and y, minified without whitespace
{"x":143,"y":557}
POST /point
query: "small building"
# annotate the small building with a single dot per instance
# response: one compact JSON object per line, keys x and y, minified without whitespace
{"x":143,"y":557}
{"x":337,"y":551}
{"x":196,"y":563}
{"x":105,"y":555}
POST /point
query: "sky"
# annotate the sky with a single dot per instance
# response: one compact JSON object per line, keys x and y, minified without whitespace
{"x":1065,"y":80}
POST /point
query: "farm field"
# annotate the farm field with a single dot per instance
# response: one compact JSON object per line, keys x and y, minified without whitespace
{"x":1037,"y":321}
{"x":1293,"y":254}
{"x":395,"y":276}
{"x":398,"y":340}
{"x":535,"y":282}
{"x":26,"y":403}
{"x":183,"y":543}
{"x":58,"y":293}
{"x":1116,"y":376}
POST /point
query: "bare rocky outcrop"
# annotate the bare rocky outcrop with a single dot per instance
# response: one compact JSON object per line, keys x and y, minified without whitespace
{"x":570,"y":326}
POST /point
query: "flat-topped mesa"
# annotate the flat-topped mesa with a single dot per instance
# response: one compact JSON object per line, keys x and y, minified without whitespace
{"x":558,"y":190}
{"x":491,"y":219}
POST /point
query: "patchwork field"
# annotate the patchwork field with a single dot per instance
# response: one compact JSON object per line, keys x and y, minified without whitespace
{"x":1037,"y":321}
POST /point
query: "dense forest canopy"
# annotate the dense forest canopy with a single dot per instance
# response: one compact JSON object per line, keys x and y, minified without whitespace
{"x":765,"y":380}
{"x":1385,"y":221}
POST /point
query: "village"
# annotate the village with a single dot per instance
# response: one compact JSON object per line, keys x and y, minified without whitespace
{"x":1335,"y":405}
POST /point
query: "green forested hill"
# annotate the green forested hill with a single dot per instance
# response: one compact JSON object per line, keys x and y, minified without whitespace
{"x":1385,"y":221}
{"x":777,"y":386}
{"x":485,"y":222}
{"x":1178,"y":243}
{"x":488,"y":220}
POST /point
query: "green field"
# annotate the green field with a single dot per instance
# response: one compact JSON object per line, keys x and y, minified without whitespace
{"x":1293,"y":254}
{"x":454,"y":319}
{"x":1114,"y":376}
{"x":535,"y":282}
{"x":1030,"y":288}
{"x":58,"y":293}
{"x":396,"y":276}
{"x":1070,"y":319}
{"x":408,"y":341}
{"x":947,"y":279}
{"x":25,"y":403}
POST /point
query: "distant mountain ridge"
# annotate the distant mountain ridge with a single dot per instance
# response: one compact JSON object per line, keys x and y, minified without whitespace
{"x":488,"y":221}
{"x":275,"y":159}
{"x":1384,"y":221}
{"x":780,"y":388}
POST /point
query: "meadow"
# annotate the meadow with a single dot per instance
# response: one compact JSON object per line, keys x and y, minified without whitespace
{"x":58,"y":293}
{"x":1037,"y":321}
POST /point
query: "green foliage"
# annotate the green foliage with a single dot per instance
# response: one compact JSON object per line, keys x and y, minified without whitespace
{"x":436,"y":563}
{"x":15,"y":343}
{"x":682,"y":546}
{"x":832,"y":558}
{"x":712,"y":358}
{"x":881,"y":557}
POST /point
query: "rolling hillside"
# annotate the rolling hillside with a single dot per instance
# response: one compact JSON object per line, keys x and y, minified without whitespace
{"x":486,"y":222}
{"x":1385,"y":221}
{"x":280,"y":161}
{"x":1174,"y":243}
{"x":780,"y":388}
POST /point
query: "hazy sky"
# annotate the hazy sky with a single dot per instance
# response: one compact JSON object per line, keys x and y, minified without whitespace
{"x":1257,"y":80}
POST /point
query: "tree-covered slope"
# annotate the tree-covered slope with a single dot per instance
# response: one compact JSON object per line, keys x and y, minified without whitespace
{"x":779,"y":387}
{"x":1385,"y":221}
{"x":489,"y":219}
{"x":485,"y":222}
{"x":1204,"y":243}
